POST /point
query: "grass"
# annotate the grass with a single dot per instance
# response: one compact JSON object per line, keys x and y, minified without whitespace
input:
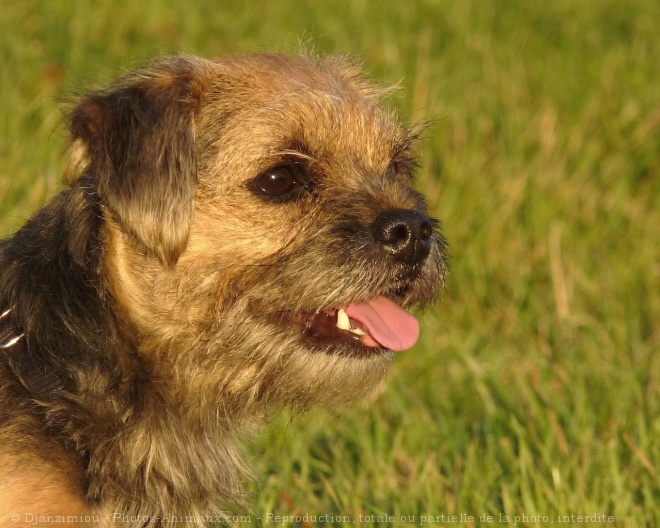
{"x":534,"y":395}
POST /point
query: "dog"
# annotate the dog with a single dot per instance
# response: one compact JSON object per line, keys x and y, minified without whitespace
{"x":235,"y":237}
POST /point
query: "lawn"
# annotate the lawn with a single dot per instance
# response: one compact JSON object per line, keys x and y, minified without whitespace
{"x":533,"y":397}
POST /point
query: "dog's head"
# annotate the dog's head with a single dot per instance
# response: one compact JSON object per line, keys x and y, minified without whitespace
{"x":262,"y":232}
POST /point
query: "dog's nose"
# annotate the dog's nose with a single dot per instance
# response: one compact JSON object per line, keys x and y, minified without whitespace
{"x":406,"y":234}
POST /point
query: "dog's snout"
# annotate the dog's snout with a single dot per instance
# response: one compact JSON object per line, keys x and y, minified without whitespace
{"x":406,"y":234}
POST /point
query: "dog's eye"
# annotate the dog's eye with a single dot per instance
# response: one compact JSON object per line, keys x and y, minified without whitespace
{"x":277,"y":181}
{"x":281,"y":183}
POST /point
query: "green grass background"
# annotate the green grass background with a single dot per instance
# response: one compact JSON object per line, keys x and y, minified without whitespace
{"x":535,"y":388}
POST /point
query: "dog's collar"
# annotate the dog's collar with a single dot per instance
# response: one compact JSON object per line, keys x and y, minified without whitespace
{"x":32,"y":374}
{"x":9,"y":337}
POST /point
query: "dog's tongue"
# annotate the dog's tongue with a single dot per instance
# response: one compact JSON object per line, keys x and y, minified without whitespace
{"x":391,"y":326}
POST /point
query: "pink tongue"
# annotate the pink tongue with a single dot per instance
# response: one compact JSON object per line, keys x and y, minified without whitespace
{"x":390,"y":325}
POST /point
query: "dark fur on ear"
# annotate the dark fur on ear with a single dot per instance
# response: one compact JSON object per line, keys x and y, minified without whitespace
{"x":136,"y":140}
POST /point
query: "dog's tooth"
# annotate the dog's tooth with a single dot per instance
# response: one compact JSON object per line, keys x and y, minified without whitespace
{"x":343,"y":322}
{"x":357,"y":331}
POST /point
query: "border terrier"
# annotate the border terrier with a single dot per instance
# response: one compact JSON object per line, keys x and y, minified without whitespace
{"x":234,"y":237}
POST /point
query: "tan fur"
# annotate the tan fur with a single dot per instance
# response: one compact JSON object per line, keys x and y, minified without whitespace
{"x":35,"y":497}
{"x":39,"y":483}
{"x":204,"y":286}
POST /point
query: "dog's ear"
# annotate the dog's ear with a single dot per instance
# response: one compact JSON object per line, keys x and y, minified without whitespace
{"x":136,"y":141}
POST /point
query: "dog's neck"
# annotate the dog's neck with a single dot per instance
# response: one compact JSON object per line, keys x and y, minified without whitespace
{"x":41,"y":272}
{"x":185,"y":459}
{"x":40,"y":381}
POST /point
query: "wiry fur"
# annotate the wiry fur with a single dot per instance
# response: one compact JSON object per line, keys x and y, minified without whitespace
{"x":164,"y":293}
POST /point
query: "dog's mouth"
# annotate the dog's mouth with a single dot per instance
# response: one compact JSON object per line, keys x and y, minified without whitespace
{"x":377,"y":324}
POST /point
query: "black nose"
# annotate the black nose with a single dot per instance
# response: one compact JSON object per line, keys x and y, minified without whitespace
{"x":405,"y":234}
